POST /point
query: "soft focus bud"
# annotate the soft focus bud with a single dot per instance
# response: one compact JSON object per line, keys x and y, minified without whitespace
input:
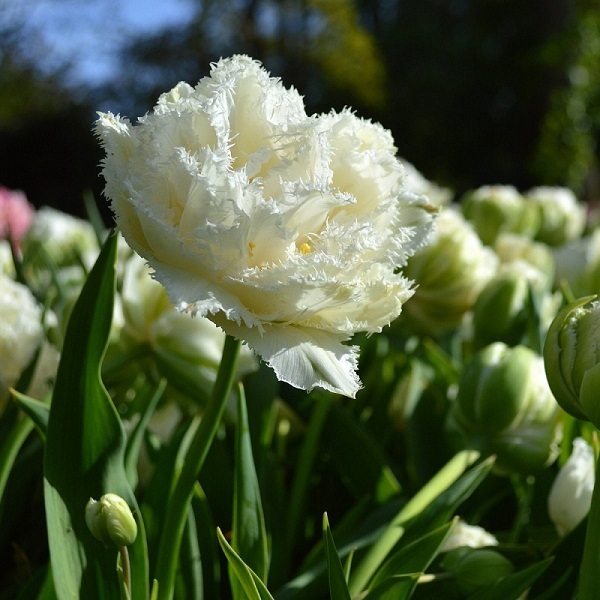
{"x":65,"y":239}
{"x":503,"y":307}
{"x":570,"y":496}
{"x":111,"y":521}
{"x":449,"y":273}
{"x":511,"y":248}
{"x":496,"y":208}
{"x":578,"y":264}
{"x":572,"y":359}
{"x":16,"y":215}
{"x":504,"y":407}
{"x":21,"y":332}
{"x":562,"y":217}
{"x":475,"y":569}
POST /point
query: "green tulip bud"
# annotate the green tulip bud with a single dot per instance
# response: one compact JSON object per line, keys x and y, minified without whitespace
{"x":449,"y":273}
{"x":572,"y":359}
{"x":562,"y":217}
{"x":496,"y":208}
{"x":111,"y":521}
{"x":513,"y":248}
{"x":502,"y":308}
{"x":505,"y":407}
{"x":578,"y":264}
{"x":475,"y":569}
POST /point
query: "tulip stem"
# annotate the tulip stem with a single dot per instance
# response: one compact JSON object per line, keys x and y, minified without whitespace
{"x":126,"y":569}
{"x":589,"y":575}
{"x":181,"y":494}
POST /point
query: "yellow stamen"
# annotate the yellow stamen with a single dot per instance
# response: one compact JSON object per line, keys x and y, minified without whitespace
{"x":251,"y":247}
{"x":305,"y":248}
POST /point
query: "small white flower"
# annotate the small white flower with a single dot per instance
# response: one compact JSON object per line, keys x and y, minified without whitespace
{"x":570,"y":497}
{"x":285,"y":230}
{"x":462,"y":534}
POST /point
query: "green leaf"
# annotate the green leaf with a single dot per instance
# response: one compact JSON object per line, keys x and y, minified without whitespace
{"x":398,"y":587}
{"x":207,"y":542}
{"x":250,"y":582}
{"x":358,"y":458}
{"x":589,"y":573}
{"x":412,"y":558}
{"x":36,"y":410}
{"x":190,"y":560}
{"x":338,"y":587}
{"x":149,"y":399}
{"x":429,"y":493}
{"x":249,"y":531}
{"x":85,"y":445}
{"x":9,"y":449}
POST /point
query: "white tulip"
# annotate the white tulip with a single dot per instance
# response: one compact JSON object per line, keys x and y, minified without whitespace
{"x":571,"y":493}
{"x":287,"y":231}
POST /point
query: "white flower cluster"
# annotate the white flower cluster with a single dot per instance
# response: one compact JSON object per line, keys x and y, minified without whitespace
{"x":287,"y":230}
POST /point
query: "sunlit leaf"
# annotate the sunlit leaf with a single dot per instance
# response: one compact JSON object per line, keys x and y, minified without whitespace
{"x":85,"y":445}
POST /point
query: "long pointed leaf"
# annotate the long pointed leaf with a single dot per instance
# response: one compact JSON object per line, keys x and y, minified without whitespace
{"x":249,"y":531}
{"x":338,"y":588}
{"x":85,"y":445}
{"x":36,"y":410}
{"x":252,"y":585}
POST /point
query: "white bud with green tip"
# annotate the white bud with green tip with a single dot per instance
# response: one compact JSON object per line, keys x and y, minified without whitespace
{"x":505,"y":407}
{"x":111,"y":521}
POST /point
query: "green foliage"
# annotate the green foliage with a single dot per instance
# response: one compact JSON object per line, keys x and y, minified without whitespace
{"x":85,"y":445}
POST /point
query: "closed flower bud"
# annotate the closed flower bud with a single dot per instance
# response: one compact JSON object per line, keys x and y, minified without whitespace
{"x":562,"y":217}
{"x":111,"y":521}
{"x":475,"y":569}
{"x":578,"y":264}
{"x":21,"y":332}
{"x":572,"y":359}
{"x":570,"y":496}
{"x":504,"y":407}
{"x":449,"y":272}
{"x":63,"y":238}
{"x":496,"y":208}
{"x":503,"y":307}
{"x":511,"y":248}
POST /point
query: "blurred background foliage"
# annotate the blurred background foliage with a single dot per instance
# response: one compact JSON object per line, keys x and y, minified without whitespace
{"x":475,"y":92}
